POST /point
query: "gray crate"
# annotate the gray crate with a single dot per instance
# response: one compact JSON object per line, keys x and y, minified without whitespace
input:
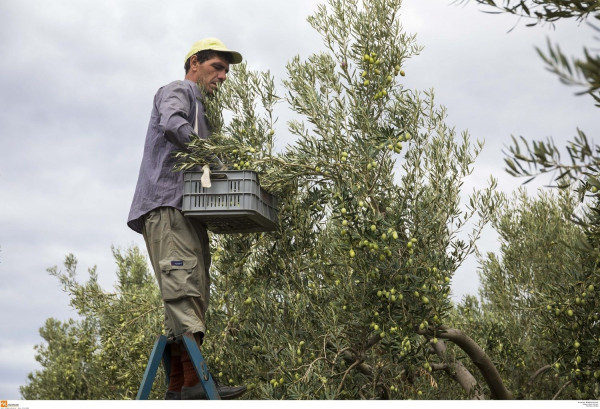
{"x":235,"y":203}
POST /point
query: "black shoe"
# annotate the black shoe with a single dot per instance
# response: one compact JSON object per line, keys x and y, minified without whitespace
{"x":225,"y":392}
{"x":172,"y":395}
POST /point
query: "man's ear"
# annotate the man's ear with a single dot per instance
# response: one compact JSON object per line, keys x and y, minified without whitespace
{"x":193,"y":60}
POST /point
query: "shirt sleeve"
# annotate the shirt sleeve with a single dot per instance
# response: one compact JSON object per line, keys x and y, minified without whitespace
{"x":175,"y":105}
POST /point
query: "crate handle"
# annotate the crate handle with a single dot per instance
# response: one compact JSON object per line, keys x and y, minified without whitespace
{"x":219,"y":175}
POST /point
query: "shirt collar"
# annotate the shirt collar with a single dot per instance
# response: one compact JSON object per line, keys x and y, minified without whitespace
{"x":199,"y":95}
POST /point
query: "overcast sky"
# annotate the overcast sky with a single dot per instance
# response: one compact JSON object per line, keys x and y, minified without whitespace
{"x":77,"y":80}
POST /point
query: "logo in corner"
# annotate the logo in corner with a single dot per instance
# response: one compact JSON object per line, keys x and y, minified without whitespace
{"x":4,"y":404}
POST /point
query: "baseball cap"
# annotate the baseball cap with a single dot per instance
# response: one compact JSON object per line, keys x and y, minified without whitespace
{"x":215,"y":45}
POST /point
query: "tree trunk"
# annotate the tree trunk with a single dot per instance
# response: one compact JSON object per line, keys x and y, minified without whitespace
{"x":480,"y":359}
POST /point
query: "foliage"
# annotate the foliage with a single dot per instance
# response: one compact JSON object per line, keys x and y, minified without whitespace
{"x":545,"y":280}
{"x":579,"y":72}
{"x":546,"y":10}
{"x":539,"y":306}
{"x":329,"y":305}
{"x":104,"y":354}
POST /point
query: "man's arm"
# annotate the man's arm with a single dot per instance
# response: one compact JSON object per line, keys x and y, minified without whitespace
{"x":174,"y":108}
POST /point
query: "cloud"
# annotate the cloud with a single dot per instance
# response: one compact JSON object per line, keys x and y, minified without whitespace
{"x":13,"y":357}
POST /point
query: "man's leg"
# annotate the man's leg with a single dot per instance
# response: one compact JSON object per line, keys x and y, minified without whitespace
{"x":180,"y":256}
{"x":176,"y":379}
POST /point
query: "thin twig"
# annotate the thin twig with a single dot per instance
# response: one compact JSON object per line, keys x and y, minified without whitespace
{"x":356,"y":363}
{"x":562,"y":388}
{"x":536,"y":374}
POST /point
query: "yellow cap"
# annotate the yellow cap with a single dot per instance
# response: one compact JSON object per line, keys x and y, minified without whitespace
{"x":215,"y":45}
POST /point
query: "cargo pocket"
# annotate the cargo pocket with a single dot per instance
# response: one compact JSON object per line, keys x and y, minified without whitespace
{"x":179,"y":278}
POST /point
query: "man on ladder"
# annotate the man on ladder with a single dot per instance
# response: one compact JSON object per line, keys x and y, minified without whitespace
{"x":178,"y":246}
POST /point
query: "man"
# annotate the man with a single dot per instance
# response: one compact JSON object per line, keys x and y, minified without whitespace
{"x":178,"y":246}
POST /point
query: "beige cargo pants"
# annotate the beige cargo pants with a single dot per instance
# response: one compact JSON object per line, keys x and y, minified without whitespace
{"x":180,"y":255}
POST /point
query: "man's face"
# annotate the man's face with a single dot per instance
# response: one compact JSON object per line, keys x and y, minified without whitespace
{"x":209,"y":74}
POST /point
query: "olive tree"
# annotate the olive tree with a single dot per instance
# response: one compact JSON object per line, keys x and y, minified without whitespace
{"x":103,"y":354}
{"x":348,"y":298}
{"x":538,"y":313}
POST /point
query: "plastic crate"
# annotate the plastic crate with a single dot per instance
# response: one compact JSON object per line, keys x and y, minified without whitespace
{"x":235,"y":203}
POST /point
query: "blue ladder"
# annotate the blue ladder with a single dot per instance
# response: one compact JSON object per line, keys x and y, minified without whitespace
{"x":161,"y":352}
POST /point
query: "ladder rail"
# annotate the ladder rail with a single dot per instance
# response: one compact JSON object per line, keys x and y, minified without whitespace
{"x":152,"y":368}
{"x":204,"y":375}
{"x":160,"y":352}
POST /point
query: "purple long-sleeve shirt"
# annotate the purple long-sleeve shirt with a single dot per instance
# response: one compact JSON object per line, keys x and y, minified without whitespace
{"x":171,"y":123}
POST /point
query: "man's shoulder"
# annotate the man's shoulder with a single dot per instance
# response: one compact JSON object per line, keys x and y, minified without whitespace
{"x":178,"y":85}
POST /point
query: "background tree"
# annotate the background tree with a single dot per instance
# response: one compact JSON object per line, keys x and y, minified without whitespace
{"x":538,"y":312}
{"x":104,"y":354}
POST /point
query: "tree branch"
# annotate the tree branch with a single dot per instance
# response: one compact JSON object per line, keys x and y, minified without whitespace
{"x":458,"y":371}
{"x":562,"y":388}
{"x":481,"y":360}
{"x":350,"y":359}
{"x":356,"y":363}
{"x":372,"y":341}
{"x":439,"y":367}
{"x":536,"y":374}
